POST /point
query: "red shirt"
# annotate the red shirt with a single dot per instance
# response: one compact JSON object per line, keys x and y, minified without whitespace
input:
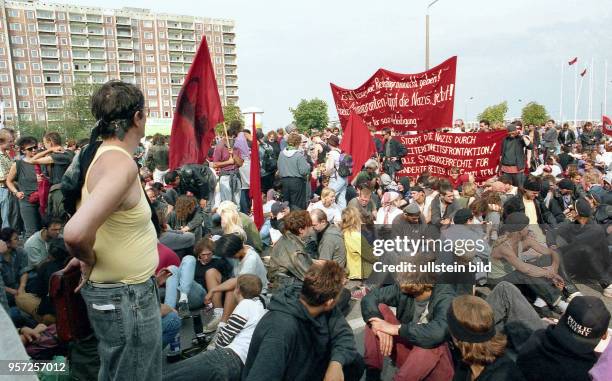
{"x":167,"y":257}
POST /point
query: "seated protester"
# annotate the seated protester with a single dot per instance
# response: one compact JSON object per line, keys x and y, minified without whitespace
{"x":359,"y":257}
{"x":226,"y":361}
{"x":157,"y":202}
{"x":367,"y":176}
{"x":289,"y":260}
{"x":279,"y":210}
{"x":330,"y":242}
{"x":246,"y":261}
{"x":565,"y":351}
{"x":11,"y":344}
{"x":415,"y":336}
{"x":467,"y":195}
{"x":443,"y":206}
{"x":471,"y":324}
{"x":187,"y":216}
{"x":178,"y":241}
{"x":405,"y":190}
{"x":417,"y":194}
{"x":603,"y":368}
{"x":363,"y":202}
{"x":37,"y":302}
{"x":36,"y":246}
{"x":391,"y":202}
{"x":232,"y":220}
{"x":303,"y":337}
{"x":328,"y":205}
{"x":565,"y":158}
{"x":564,"y":199}
{"x":173,"y":181}
{"x":457,"y":179}
{"x":511,"y":308}
{"x":511,"y":261}
{"x":13,"y":266}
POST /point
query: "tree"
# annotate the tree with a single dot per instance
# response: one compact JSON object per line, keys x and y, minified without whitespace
{"x":230,"y":113}
{"x":535,"y":114}
{"x":495,"y":113}
{"x":29,"y":128}
{"x":310,"y":115}
{"x":78,"y":120}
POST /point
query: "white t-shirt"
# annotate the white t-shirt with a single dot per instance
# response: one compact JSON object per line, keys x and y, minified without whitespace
{"x":241,"y":325}
{"x":380,"y":215}
{"x":333,"y":213}
{"x":252,"y":264}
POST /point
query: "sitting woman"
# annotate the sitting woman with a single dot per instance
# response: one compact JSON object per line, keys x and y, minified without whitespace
{"x":471,"y":323}
{"x":521,"y":260}
{"x":359,"y":257}
{"x":328,"y":205}
{"x":233,"y":221}
{"x":246,"y":261}
{"x":187,"y":216}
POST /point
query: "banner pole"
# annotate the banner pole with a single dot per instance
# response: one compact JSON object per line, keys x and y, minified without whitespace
{"x":226,"y":136}
{"x":561,"y":95}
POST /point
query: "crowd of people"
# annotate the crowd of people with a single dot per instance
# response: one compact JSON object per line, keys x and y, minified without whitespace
{"x":157,"y":246}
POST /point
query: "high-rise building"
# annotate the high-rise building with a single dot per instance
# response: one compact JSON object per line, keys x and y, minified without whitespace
{"x":46,"y":48}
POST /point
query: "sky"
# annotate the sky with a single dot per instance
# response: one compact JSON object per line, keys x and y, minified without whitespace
{"x":507,"y":50}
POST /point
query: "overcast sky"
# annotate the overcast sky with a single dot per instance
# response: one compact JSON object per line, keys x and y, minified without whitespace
{"x":507,"y":50}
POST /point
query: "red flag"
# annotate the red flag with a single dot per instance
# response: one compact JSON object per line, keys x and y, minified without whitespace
{"x":583,"y":72}
{"x":198,"y":111}
{"x":573,"y":61}
{"x":607,"y":125}
{"x":255,"y":180}
{"x":357,"y":142}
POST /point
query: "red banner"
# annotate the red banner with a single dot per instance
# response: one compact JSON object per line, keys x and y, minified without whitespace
{"x":403,"y":102}
{"x":477,"y":154}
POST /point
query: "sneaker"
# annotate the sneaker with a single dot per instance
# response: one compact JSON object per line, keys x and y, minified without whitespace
{"x":573,"y":295}
{"x":183,"y":309}
{"x":607,"y":292}
{"x":212,"y":325}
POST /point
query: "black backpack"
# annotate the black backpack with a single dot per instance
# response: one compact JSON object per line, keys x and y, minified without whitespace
{"x":74,"y":177}
{"x":197,"y":179}
{"x":345,"y":165}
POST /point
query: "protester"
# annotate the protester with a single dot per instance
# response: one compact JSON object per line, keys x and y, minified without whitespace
{"x":36,"y":246}
{"x":293,"y":169}
{"x":513,"y":157}
{"x":227,"y":162}
{"x":330,"y":242}
{"x":328,"y":205}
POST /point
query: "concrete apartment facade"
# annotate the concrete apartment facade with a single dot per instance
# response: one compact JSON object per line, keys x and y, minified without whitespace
{"x":46,"y":48}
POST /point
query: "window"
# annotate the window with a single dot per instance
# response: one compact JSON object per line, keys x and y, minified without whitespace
{"x":162,"y":46}
{"x":166,"y":103}
{"x":25,"y":117}
{"x":199,"y":26}
{"x":148,"y":46}
{"x":110,"y":43}
{"x":64,"y":41}
{"x":62,"y":28}
{"x":40,"y":104}
{"x":148,"y":36}
{"x":1,"y":51}
{"x":160,"y":23}
{"x":166,"y":92}
{"x":38,"y":91}
{"x":15,"y":26}
{"x":66,"y":66}
{"x":34,"y":53}
{"x":35,"y":66}
{"x":152,"y":93}
{"x":166,"y":114}
{"x":18,"y":52}
{"x":23,"y":91}
{"x":218,"y":49}
{"x":111,"y":55}
{"x":208,"y":28}
{"x":163,"y":58}
{"x":109,"y":32}
{"x":30,"y":14}
{"x":164,"y":81}
{"x":41,"y":116}
{"x":13,"y":12}
{"x":2,"y":64}
{"x":109,"y":20}
{"x":24,"y":104}
{"x":33,"y":41}
{"x":3,"y":78}
{"x":65,"y":53}
{"x":216,"y":28}
{"x":219,"y":71}
{"x":36,"y":79}
{"x":31,"y":27}
{"x":162,"y":34}
{"x":150,"y":69}
{"x":8,"y":103}
{"x":152,"y":103}
{"x":154,"y":113}
{"x":218,"y":60}
{"x":217,"y":39}
{"x":152,"y":81}
{"x":147,"y":24}
{"x":61,"y":15}
{"x":17,"y":40}
{"x":67,"y":78}
{"x":112,"y":67}
{"x":6,"y":91}
{"x":150,"y":58}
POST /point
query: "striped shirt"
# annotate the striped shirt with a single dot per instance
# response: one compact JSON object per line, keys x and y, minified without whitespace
{"x":236,"y":334}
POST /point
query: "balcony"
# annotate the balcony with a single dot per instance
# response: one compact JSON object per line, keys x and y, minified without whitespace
{"x":176,"y":90}
{"x":231,"y":52}
{"x":228,"y":29}
{"x":97,"y":55}
{"x":53,"y":79}
{"x":48,"y":40}
{"x":94,"y":19}
{"x":175,"y":47}
{"x":96,"y":43}
{"x":188,"y":36}
{"x":176,"y":80}
{"x":78,"y":17}
{"x":123,"y":21}
{"x":49,"y":28}
{"x":51,"y":66}
{"x":80,"y":66}
{"x":49,"y":53}
{"x":177,"y":70}
{"x":98,"y":67}
{"x":175,"y":58}
{"x":128,"y":79}
{"x":125,"y":68}
{"x":55,"y":104}
{"x":43,"y":14}
{"x":54,"y":91}
{"x":95,"y":31}
{"x":188,"y":58}
{"x":122,"y":33}
{"x":125,"y":45}
{"x":80,"y":78}
{"x":174,"y":25}
{"x":126,"y":56}
{"x":77,"y":29}
{"x":80,"y":42}
{"x":229,"y":62}
{"x":187,"y":25}
{"x":174,"y":36}
{"x":99,"y":79}
{"x":80,"y":54}
{"x":230,"y":73}
{"x":228,"y":41}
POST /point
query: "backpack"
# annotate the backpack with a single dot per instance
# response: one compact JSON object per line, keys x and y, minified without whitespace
{"x":268,"y":161}
{"x":197,"y":179}
{"x":345,"y":165}
{"x":74,"y":177}
{"x":323,"y":154}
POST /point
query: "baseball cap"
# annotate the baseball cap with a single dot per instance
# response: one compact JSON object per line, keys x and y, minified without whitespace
{"x":583,"y":324}
{"x":566,"y":184}
{"x":412,"y":208}
{"x":516,"y":222}
{"x":462,"y":216}
{"x":583,"y":208}
{"x":532,"y":184}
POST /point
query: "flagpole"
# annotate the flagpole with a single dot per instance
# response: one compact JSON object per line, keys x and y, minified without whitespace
{"x":576,"y":97}
{"x":605,"y":87}
{"x":578,"y":100}
{"x":561,"y":94}
{"x":591,"y":91}
{"x":226,"y":136}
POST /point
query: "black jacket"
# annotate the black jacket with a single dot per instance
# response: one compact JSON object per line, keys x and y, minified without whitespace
{"x":428,"y":335}
{"x":566,"y":141}
{"x":543,"y":357}
{"x":513,"y":151}
{"x":436,"y":213}
{"x":556,"y":207}
{"x":588,"y":139}
{"x":289,"y":344}
{"x":565,"y":159}
{"x":502,"y":369}
{"x":516,"y":204}
{"x":396,"y":149}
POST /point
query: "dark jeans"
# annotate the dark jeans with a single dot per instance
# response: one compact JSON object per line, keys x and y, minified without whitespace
{"x":126,"y":321}
{"x":294,"y":192}
{"x":509,"y":305}
{"x":517,"y":178}
{"x":30,"y":216}
{"x":221,"y":364}
{"x":267,"y":183}
{"x":245,"y":201}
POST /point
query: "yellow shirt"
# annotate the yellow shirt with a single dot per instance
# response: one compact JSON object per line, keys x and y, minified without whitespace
{"x":359,"y":263}
{"x":126,"y":243}
{"x":530,"y":211}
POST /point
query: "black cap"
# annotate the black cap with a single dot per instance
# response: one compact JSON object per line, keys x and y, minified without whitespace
{"x":583,"y":324}
{"x":532,"y":184}
{"x":516,"y":222}
{"x":417,"y":188}
{"x":462,"y":216}
{"x":584,"y":208}
{"x":566,"y":184}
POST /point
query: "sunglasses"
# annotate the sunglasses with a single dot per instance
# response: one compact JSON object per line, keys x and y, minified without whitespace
{"x":33,"y":148}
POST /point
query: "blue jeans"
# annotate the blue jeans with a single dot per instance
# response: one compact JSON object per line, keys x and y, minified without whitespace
{"x":221,"y":364}
{"x":5,"y":204}
{"x":126,"y":321}
{"x":338,"y":184}
{"x":181,"y":280}
{"x":264,"y":233}
{"x":171,"y":325}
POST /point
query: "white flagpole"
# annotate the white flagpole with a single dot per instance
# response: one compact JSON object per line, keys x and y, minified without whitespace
{"x":561,"y":94}
{"x":605,"y":88}
{"x":576,"y":96}
{"x":591,"y":91}
{"x":578,"y":99}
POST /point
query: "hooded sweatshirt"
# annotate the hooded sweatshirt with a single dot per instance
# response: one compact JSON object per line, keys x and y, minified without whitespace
{"x":292,"y":163}
{"x":544,"y":357}
{"x":290,"y":344}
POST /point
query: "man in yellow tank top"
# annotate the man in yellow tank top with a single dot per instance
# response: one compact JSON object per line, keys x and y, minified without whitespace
{"x":114,"y":242}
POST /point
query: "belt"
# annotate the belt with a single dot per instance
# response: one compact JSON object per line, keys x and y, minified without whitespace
{"x":106,"y":285}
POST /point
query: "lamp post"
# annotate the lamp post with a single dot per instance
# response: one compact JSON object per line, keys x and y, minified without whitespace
{"x":427,"y":34}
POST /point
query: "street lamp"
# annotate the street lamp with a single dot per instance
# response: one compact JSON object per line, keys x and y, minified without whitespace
{"x":427,"y":34}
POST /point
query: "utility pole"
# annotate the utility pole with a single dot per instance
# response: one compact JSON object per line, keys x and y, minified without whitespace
{"x":427,"y":34}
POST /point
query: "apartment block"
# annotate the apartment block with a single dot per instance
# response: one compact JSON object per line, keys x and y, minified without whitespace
{"x":46,"y":48}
